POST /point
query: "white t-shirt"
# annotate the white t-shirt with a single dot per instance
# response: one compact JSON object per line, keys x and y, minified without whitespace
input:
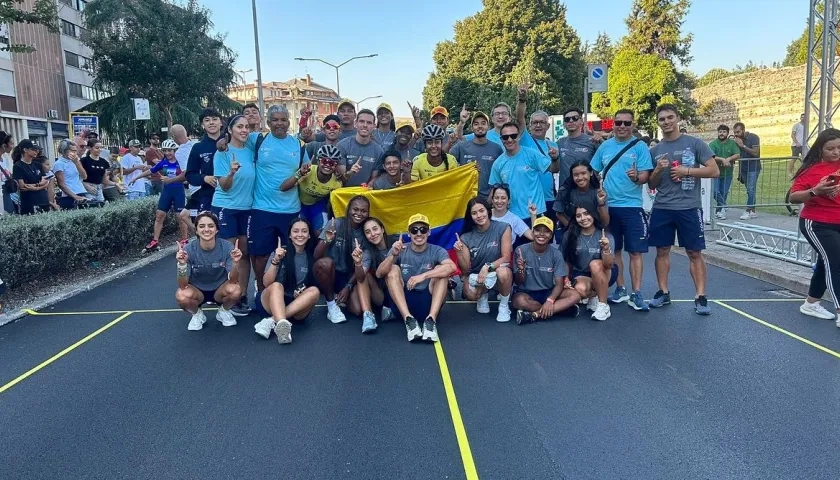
{"x":799,"y":133}
{"x":518,"y":227}
{"x":182,"y":156}
{"x":131,"y":161}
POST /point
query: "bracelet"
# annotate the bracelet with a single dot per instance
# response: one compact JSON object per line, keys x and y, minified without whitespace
{"x":275,"y":263}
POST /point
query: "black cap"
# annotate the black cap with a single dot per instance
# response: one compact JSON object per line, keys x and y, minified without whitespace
{"x":332,"y":117}
{"x":27,"y":144}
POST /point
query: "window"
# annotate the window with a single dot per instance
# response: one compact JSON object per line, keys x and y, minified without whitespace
{"x":69,"y":29}
{"x":69,"y":3}
{"x":77,"y":61}
{"x":8,"y":104}
{"x":4,"y":36}
{"x":75,"y":89}
{"x":80,"y":5}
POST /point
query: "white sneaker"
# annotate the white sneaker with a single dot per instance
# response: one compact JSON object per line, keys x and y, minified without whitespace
{"x":283,"y":329}
{"x":753,"y":215}
{"x":504,"y":313}
{"x":226,"y":317}
{"x":815,"y":310}
{"x":745,"y":216}
{"x":592,"y":304}
{"x":335,"y":315}
{"x":602,"y":312}
{"x":387,"y":314}
{"x":720,"y":215}
{"x":197,"y":321}
{"x":483,"y":305}
{"x":264,"y":327}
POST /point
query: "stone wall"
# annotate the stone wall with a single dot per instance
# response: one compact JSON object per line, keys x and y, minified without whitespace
{"x":767,"y":101}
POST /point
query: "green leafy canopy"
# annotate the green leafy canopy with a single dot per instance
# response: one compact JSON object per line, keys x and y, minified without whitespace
{"x":43,"y":12}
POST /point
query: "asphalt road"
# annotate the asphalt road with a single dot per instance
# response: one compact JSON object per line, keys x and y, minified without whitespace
{"x":667,"y":394}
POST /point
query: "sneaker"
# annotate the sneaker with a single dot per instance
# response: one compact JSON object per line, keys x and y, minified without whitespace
{"x":602,"y":312}
{"x":815,"y":310}
{"x":430,"y":330}
{"x":592,"y":304}
{"x":745,"y":216}
{"x":701,"y":306}
{"x":504,"y":313}
{"x":283,"y":329}
{"x":153,"y":246}
{"x":571,"y":312}
{"x":523,"y":317}
{"x":483,"y":304}
{"x":241,"y":309}
{"x":264,"y":327}
{"x":387,"y":314}
{"x":197,"y":321}
{"x":637,"y":302}
{"x":720,"y":216}
{"x":619,"y":295}
{"x":413,"y":329}
{"x":335,"y":315}
{"x":368,"y":322}
{"x":660,"y":299}
{"x":226,"y":317}
{"x":753,"y":215}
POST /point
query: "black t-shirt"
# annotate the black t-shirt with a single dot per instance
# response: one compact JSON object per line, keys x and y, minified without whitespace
{"x":95,"y":169}
{"x":31,"y":174}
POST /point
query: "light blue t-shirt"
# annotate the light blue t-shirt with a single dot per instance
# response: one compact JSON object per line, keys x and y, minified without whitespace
{"x":241,"y":193}
{"x":523,"y":173}
{"x":278,"y":159}
{"x":492,"y":135}
{"x":71,"y":176}
{"x":621,"y":191}
{"x":526,"y":140}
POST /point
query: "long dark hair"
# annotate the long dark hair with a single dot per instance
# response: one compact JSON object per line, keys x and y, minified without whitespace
{"x":374,"y":251}
{"x":572,"y":234}
{"x":569,"y":184}
{"x":347,"y":228}
{"x":289,"y":281}
{"x":228,"y":129}
{"x":814,"y":155}
{"x":469,"y":224}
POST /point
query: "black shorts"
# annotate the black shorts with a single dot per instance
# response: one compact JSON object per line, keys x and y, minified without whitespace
{"x":539,"y":296}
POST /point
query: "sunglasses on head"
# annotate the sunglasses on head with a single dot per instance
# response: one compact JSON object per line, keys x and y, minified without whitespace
{"x":573,"y":118}
{"x":623,"y":123}
{"x":499,"y":185}
{"x":510,"y":136}
{"x":419,"y":230}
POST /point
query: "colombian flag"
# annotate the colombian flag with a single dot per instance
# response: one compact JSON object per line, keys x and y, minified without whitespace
{"x":443,"y":198}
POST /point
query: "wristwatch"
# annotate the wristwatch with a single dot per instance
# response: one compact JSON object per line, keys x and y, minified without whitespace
{"x":812,"y":193}
{"x":490,"y":267}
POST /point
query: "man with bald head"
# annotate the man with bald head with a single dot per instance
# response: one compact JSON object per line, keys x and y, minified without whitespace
{"x":182,"y":156}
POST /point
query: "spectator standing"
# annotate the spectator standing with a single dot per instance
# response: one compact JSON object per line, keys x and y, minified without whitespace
{"x":726,"y":154}
{"x":749,"y":165}
{"x":96,"y":169}
{"x":797,"y":137}
{"x":133,"y":166}
{"x":69,"y":175}
{"x":153,"y":156}
{"x":7,"y":144}
{"x":29,"y":175}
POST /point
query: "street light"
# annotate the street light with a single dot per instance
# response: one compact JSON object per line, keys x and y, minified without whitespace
{"x":336,"y":67}
{"x":366,"y":98}
{"x":257,"y":48}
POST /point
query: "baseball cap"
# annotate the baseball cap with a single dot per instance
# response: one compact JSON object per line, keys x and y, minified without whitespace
{"x":439,"y":110}
{"x":418,"y":218}
{"x":134,"y":143}
{"x":483,"y":115}
{"x":405,"y":123}
{"x":545,"y":222}
{"x":346,"y":101}
{"x":385,"y":106}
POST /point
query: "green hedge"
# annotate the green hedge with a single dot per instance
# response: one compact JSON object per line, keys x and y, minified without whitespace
{"x":36,"y":246}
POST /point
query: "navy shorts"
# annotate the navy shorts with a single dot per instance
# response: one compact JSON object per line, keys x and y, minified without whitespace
{"x":197,"y":204}
{"x":209,"y":296}
{"x":629,"y":228}
{"x":613,"y":275}
{"x":172,"y":198}
{"x":264,"y":228}
{"x":315,"y":213}
{"x":232,"y":223}
{"x":419,"y":303}
{"x":539,"y":296}
{"x":686,"y":224}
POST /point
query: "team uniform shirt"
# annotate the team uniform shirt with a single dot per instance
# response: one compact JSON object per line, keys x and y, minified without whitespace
{"x":542,"y":146}
{"x":486,"y":246}
{"x":492,"y":136}
{"x":208,"y":269}
{"x":621,"y":191}
{"x":169,"y":169}
{"x":484,"y":154}
{"x":725,"y":149}
{"x":321,"y":137}
{"x":240,"y":196}
{"x":422,"y":169}
{"x":409,"y":153}
{"x":516,"y":224}
{"x":72,"y":179}
{"x":383,"y":183}
{"x":541,"y":269}
{"x":587,"y":248}
{"x":686,"y":151}
{"x":818,"y":209}
{"x":312,"y":189}
{"x":301,"y":269}
{"x":573,"y":149}
{"x":336,"y":250}
{"x":95,"y":169}
{"x":368,"y":156}
{"x":385,"y":140}
{"x":31,"y":174}
{"x":523,"y":173}
{"x":277,"y":160}
{"x":567,"y":198}
{"x":132,"y":161}
{"x":413,"y":263}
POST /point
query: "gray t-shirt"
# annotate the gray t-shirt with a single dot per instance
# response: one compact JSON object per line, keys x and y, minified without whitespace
{"x":567,"y":198}
{"x":336,"y":249}
{"x":382,"y":183}
{"x":588,"y":248}
{"x":414,"y":263}
{"x":301,"y":269}
{"x":541,"y":269}
{"x":209,"y":269}
{"x":572,"y":150}
{"x":367,"y":156}
{"x":485,"y":246}
{"x":485,"y":154}
{"x":385,"y":140}
{"x":747,"y":162}
{"x":686,"y":151}
{"x":409,"y":153}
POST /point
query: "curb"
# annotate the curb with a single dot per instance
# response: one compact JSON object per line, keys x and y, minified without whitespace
{"x":51,"y":300}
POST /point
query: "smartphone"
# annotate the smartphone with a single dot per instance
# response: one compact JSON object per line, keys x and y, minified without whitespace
{"x":834,"y":179}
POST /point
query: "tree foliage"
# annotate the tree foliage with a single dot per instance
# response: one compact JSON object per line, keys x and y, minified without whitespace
{"x":654,"y":26}
{"x":797,"y":50}
{"x":157,"y":50}
{"x":716,"y":74}
{"x":602,"y":51}
{"x":43,"y":13}
{"x":508,"y":43}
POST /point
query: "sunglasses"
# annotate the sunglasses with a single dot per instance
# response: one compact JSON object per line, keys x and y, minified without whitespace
{"x":419,"y":230}
{"x":623,"y":123}
{"x":573,"y":118}
{"x":328,"y":161}
{"x":499,"y":185}
{"x":510,"y":136}
{"x":331,"y":126}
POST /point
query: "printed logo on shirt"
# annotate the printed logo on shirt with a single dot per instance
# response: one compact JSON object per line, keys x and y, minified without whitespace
{"x":206,"y":157}
{"x":547,"y":269}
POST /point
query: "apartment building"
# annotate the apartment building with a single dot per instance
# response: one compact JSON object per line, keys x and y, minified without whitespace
{"x":295,"y":94}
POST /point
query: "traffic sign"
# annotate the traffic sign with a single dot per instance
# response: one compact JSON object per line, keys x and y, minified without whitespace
{"x":597,"y":78}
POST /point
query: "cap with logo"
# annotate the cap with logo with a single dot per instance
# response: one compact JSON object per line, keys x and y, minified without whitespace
{"x":418,"y":218}
{"x":478,"y":115}
{"x":439,"y":111}
{"x":346,"y":101}
{"x":385,"y":106}
{"x":134,"y":143}
{"x":545,"y":222}
{"x":405,"y":123}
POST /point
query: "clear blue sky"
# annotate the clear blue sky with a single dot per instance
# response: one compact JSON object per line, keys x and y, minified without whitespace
{"x":726,"y":33}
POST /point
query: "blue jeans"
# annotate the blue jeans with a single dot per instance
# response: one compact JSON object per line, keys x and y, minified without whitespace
{"x":721,"y":191}
{"x":752,"y":181}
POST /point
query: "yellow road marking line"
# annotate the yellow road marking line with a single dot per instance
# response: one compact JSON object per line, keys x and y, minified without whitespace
{"x":779,"y":329}
{"x":63,"y":352}
{"x":457,"y":422}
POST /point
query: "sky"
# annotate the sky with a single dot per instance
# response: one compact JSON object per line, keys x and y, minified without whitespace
{"x":726,"y":33}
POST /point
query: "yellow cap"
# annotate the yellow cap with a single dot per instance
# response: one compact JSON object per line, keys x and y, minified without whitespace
{"x":418,"y":218}
{"x":386,"y":107}
{"x":439,"y":111}
{"x":478,"y":115}
{"x":545,"y":222}
{"x":346,"y":101}
{"x":406,"y":123}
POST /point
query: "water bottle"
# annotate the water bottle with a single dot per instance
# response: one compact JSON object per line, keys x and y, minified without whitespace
{"x":688,"y":162}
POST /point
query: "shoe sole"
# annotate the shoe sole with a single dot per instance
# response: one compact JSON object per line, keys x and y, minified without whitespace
{"x":194,"y":329}
{"x":240,"y":314}
{"x":262,"y":334}
{"x":620,"y":299}
{"x":813,"y":314}
{"x":483,"y":310}
{"x":284,"y":332}
{"x":430,"y":338}
{"x":659,"y":306}
{"x":704,"y":314}
{"x":638,"y":308}
{"x":416,"y":335}
{"x":336,"y":322}
{"x":601,"y":319}
{"x":369,"y":329}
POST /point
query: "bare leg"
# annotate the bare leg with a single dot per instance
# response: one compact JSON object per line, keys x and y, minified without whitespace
{"x":438,"y":287}
{"x":325,"y":276}
{"x":258,"y":262}
{"x":523,"y":301}
{"x":273,"y":301}
{"x":601,"y":278}
{"x":228,"y":294}
{"x":583,"y":285}
{"x":619,"y":260}
{"x":663,"y":267}
{"x":183,"y":226}
{"x":397,"y":290}
{"x":504,"y":281}
{"x":568,"y":299}
{"x":636,"y":270}
{"x":244,"y":267}
{"x":159,"y":217}
{"x":189,"y":299}
{"x":304,"y":303}
{"x":470,"y":293}
{"x":360,"y":298}
{"x":697,"y":267}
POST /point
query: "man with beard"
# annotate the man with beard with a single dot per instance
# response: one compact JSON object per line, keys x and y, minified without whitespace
{"x":385,"y":128}
{"x":749,"y":165}
{"x":360,"y":150}
{"x":726,"y":154}
{"x":479,"y":150}
{"x":500,"y":115}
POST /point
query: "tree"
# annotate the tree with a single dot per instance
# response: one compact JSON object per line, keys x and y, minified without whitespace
{"x":713,"y":76}
{"x":654,"y":26}
{"x":157,"y":50}
{"x":602,"y":51}
{"x":515,"y":42}
{"x":43,"y":13}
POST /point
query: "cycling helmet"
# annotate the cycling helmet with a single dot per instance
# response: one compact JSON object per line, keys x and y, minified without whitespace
{"x":432,"y":132}
{"x":169,"y":144}
{"x":329,"y":151}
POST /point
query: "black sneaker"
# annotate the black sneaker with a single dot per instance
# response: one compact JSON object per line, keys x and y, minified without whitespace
{"x":701,"y":306}
{"x":571,"y":312}
{"x":660,"y":299}
{"x":523,"y":317}
{"x":241,"y":309}
{"x":430,"y":330}
{"x":412,"y":329}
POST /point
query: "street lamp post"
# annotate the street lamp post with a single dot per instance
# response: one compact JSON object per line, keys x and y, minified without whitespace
{"x":366,"y":98}
{"x":336,"y":67}
{"x":259,"y":70}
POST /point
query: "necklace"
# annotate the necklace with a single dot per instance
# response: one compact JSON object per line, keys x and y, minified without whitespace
{"x":588,"y":241}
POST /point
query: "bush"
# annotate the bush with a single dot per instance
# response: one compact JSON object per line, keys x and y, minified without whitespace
{"x":35,"y":246}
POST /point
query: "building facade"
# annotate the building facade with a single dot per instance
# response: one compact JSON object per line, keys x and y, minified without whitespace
{"x":295,"y":94}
